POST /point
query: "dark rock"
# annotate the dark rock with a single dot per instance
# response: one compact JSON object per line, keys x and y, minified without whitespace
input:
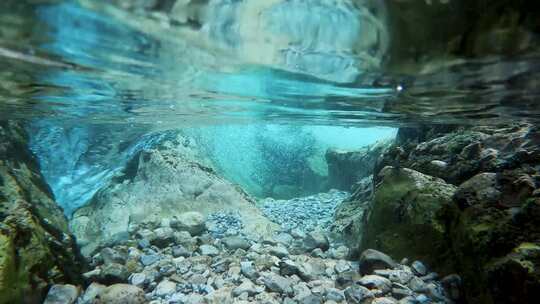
{"x":371,"y":260}
{"x":113,"y":273}
{"x":316,"y":239}
{"x":376,"y":282}
{"x":452,"y":284}
{"x":419,"y":268}
{"x":164,"y":236}
{"x":36,"y":248}
{"x":404,"y":219}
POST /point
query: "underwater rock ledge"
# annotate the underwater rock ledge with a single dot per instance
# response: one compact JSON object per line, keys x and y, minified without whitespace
{"x":36,"y":248}
{"x":158,"y":185}
{"x":473,"y":192}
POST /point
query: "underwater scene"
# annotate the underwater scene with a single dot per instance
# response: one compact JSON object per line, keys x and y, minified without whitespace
{"x":269,"y":151}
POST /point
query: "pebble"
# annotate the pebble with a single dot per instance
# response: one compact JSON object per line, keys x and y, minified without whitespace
{"x":308,"y":213}
{"x":62,"y":294}
{"x":232,"y":268}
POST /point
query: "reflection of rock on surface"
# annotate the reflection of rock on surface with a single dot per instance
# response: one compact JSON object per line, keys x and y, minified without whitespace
{"x":156,"y":184}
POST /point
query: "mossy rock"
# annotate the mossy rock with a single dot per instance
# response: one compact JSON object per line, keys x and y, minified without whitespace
{"x":404,"y":220}
{"x":36,"y":249}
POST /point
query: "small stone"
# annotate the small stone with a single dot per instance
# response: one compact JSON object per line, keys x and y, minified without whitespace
{"x":193,"y":299}
{"x":279,"y":251}
{"x":192,"y":222}
{"x":110,"y":255}
{"x":113,"y":273}
{"x":180,"y":251}
{"x":298,"y":233}
{"x":419,"y":268}
{"x":422,"y":299}
{"x":334,"y":294}
{"x":400,"y":293}
{"x":236,"y":242}
{"x":376,"y":282}
{"x":340,"y":253}
{"x":138,"y":279}
{"x":400,"y":276}
{"x":316,"y":239}
{"x":284,"y":238}
{"x":311,"y":299}
{"x":165,"y":288}
{"x":246,"y":287}
{"x":62,"y":294}
{"x":277,"y":283}
{"x":318,"y":253}
{"x":91,"y":293}
{"x":288,"y":268}
{"x":92,"y":274}
{"x":372,"y":259}
{"x":384,"y":301}
{"x":198,"y":279}
{"x":417,"y":285}
{"x":356,"y":294}
{"x":208,"y":250}
{"x":342,"y":266}
{"x":121,"y":294}
{"x":149,"y":259}
{"x":430,"y":276}
{"x":144,"y":243}
{"x":146,"y":234}
{"x":163,"y":237}
{"x":248,"y":270}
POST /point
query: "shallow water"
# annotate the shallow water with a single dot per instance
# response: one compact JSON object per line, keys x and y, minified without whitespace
{"x":95,"y":63}
{"x":88,"y":75}
{"x":274,"y":103}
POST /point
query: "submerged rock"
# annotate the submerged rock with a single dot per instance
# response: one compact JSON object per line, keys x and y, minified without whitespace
{"x":62,"y":294}
{"x":404,"y":219}
{"x":122,"y":294}
{"x":192,"y":222}
{"x":36,"y":248}
{"x":371,"y":260}
{"x":164,"y":182}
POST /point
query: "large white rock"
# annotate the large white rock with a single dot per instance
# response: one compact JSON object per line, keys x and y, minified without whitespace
{"x":162,"y":183}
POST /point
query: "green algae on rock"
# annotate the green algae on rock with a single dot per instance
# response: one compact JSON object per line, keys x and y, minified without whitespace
{"x":404,"y":217}
{"x":36,"y":248}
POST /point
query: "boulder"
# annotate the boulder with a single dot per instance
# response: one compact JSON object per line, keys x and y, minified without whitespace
{"x":404,"y":220}
{"x":345,"y":168}
{"x":164,"y":182}
{"x":36,"y":247}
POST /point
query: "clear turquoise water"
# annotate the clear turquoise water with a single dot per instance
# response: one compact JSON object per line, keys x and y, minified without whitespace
{"x":97,"y":83}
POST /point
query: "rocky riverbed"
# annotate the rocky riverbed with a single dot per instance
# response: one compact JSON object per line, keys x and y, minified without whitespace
{"x":181,"y":261}
{"x":307,"y":213}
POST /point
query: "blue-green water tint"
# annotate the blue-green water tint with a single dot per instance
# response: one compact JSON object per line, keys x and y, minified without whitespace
{"x":94,"y":81}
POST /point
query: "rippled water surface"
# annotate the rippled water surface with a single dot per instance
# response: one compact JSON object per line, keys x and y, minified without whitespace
{"x":285,"y":62}
{"x":99,"y":80}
